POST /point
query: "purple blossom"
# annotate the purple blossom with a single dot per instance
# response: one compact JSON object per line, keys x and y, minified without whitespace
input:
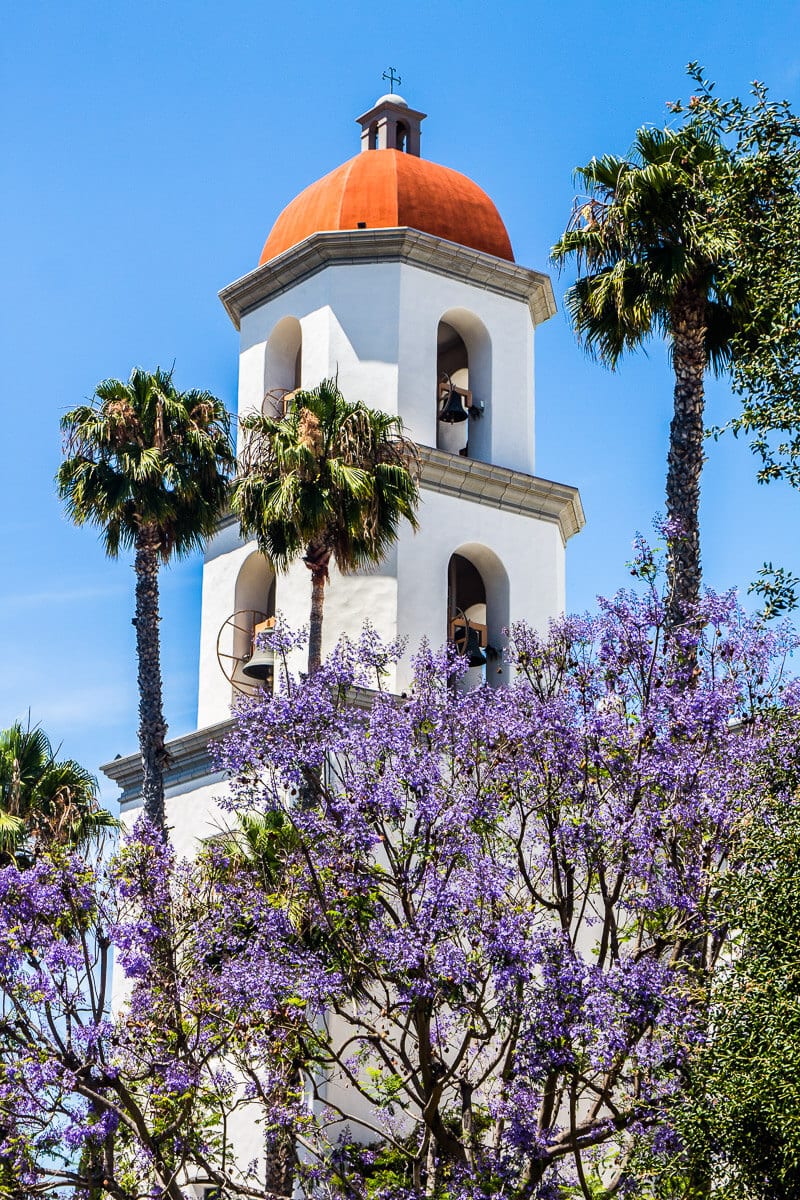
{"x":496,"y":903}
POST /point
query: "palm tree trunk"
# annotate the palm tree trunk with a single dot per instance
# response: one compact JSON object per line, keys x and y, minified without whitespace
{"x":152,"y":727}
{"x":317,"y":559}
{"x":280,"y":1154}
{"x":685,"y":460}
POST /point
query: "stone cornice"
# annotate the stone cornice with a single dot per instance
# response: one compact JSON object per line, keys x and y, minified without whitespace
{"x":500,"y":487}
{"x":512,"y":491}
{"x":190,"y":760}
{"x":422,"y":250}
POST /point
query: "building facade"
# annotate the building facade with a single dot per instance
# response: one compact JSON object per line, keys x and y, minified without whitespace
{"x":396,"y":276}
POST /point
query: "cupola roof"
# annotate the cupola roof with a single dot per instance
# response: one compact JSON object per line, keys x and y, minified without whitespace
{"x":385,"y":187}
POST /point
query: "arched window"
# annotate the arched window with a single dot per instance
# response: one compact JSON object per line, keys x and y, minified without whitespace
{"x":283,"y":365}
{"x":401,"y":136}
{"x":477,"y":612}
{"x":255,"y":604}
{"x":463,"y":385}
{"x":453,"y":394}
{"x":373,"y":136}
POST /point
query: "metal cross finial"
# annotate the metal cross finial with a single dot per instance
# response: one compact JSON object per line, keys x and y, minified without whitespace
{"x":392,"y":77}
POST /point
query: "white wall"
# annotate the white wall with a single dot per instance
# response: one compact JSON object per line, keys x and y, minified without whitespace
{"x":376,"y":325}
{"x":224,"y":557}
{"x":531,"y":551}
{"x":427,"y":298}
{"x":406,"y":595}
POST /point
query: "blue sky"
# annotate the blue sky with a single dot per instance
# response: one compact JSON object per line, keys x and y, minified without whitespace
{"x":149,"y":146}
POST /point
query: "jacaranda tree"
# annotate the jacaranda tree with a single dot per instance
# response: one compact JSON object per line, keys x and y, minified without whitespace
{"x":517,"y":889}
{"x":485,"y":923}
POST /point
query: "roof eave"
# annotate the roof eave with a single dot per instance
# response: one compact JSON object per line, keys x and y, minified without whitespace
{"x":401,"y":244}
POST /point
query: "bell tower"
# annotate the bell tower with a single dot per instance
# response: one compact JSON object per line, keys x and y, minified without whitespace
{"x":396,"y":275}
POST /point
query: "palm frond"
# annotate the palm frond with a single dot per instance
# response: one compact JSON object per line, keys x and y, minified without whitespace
{"x":643,"y":239}
{"x":44,"y":801}
{"x":145,"y":454}
{"x":330,"y":473}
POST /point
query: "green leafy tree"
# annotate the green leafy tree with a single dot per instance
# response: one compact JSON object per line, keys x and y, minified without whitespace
{"x":331,"y":480}
{"x":44,"y":803}
{"x":759,"y":201}
{"x":740,"y":1109}
{"x":149,"y":464}
{"x":752,"y":1072}
{"x":650,"y":254}
{"x":778,"y":588}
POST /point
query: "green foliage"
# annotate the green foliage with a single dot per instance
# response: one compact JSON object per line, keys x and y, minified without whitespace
{"x":652,"y":259}
{"x":779,"y":590}
{"x":644,"y":237}
{"x":715,"y":201}
{"x":43,"y":802}
{"x":757,"y":205}
{"x":260,"y":842}
{"x":149,"y":465}
{"x":740,"y":1111}
{"x":333,"y":475}
{"x":144,"y":455}
{"x":754,"y":1068}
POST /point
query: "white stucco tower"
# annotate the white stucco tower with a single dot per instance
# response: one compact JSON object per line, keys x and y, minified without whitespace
{"x":397,"y":275}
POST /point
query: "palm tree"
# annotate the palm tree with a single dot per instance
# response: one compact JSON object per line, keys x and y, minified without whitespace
{"x":150,"y":465}
{"x":330,"y":480}
{"x":649,"y":254}
{"x":43,"y":802}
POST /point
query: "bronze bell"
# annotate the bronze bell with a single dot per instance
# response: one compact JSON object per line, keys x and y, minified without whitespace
{"x":467,"y":642}
{"x":454,"y":408}
{"x":260,"y":665}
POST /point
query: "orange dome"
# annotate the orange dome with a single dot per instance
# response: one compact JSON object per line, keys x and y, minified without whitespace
{"x":389,"y":188}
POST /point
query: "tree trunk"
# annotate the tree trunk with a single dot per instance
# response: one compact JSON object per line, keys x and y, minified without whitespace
{"x":685,"y":460}
{"x":280,"y":1154}
{"x":281,"y":1143}
{"x":152,"y":728}
{"x":317,"y":559}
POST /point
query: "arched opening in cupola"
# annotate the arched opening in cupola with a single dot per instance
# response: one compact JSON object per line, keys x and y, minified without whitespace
{"x":478,"y":612}
{"x":463,"y":383}
{"x":283,"y":365}
{"x":401,"y":136}
{"x":255,"y":606}
{"x":372,"y":136}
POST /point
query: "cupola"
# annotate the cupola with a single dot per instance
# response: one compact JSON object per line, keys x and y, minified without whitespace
{"x":389,"y":186}
{"x":391,"y":125}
